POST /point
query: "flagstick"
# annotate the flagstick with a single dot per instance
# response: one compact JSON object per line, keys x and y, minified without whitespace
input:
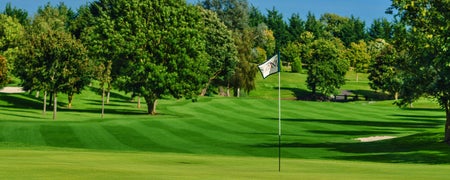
{"x":279,"y":113}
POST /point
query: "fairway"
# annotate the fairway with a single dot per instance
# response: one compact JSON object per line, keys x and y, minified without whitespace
{"x":70,"y":164}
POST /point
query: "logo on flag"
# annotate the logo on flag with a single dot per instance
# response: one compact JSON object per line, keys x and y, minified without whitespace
{"x":269,"y":67}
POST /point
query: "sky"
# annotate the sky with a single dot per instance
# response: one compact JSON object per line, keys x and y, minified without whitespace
{"x":366,"y":10}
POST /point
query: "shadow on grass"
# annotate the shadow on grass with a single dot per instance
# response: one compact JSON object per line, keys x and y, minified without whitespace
{"x":423,"y":148}
{"x":22,"y":101}
{"x":301,"y":94}
{"x":381,"y":124}
{"x":372,"y":95}
{"x":112,"y":95}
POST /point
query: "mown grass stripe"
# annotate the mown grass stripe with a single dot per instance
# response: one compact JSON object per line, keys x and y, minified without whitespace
{"x":130,"y":137}
{"x":22,"y":133}
{"x":60,"y":135}
{"x":94,"y":136}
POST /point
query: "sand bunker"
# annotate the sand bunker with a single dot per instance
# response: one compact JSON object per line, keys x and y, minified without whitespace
{"x":374,"y":138}
{"x":12,"y":90}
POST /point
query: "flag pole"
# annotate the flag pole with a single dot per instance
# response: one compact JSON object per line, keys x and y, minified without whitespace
{"x":279,"y":113}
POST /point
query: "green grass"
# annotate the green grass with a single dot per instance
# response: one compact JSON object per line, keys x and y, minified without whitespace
{"x":66,"y":164}
{"x":216,"y":136}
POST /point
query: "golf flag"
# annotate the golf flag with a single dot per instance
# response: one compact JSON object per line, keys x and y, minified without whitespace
{"x":269,"y":67}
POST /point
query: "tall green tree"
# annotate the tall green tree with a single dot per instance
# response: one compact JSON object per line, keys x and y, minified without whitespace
{"x":54,"y":62}
{"x":326,"y":66}
{"x":3,"y":72}
{"x":296,"y":27}
{"x":221,"y":50}
{"x":381,"y":29}
{"x":51,"y":59}
{"x":20,"y":14}
{"x":255,"y":17}
{"x":385,"y":71}
{"x":279,"y":27}
{"x":157,"y":47}
{"x":359,"y":56}
{"x":234,"y":13}
{"x":428,"y":51}
{"x":12,"y":34}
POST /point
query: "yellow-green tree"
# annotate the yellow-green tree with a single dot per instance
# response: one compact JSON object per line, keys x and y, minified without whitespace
{"x":428,"y":51}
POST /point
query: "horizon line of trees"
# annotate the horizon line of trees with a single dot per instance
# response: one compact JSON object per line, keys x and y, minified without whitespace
{"x":169,"y":48}
{"x":60,"y":50}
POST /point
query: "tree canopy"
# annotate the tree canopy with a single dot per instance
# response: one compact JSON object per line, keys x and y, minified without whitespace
{"x":428,"y":58}
{"x":157,"y":47}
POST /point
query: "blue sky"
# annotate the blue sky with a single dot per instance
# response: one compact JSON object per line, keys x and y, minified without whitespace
{"x":366,"y":10}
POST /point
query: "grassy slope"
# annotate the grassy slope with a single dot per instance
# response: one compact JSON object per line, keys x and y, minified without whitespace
{"x":213,"y":127}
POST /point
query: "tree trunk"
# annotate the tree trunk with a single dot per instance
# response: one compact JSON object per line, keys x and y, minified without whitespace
{"x":45,"y":103}
{"x":139,"y":101}
{"x":55,"y":104}
{"x":103,"y":102}
{"x":447,"y":123}
{"x":204,"y":90}
{"x":228,"y":90}
{"x":151,"y":104}
{"x":357,"y":77}
{"x":37,"y":94}
{"x":396,"y":96}
{"x":50,"y":100}
{"x":70,"y":98}
{"x":109,"y":93}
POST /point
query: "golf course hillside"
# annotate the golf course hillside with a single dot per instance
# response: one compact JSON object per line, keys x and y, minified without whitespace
{"x":214,"y":135}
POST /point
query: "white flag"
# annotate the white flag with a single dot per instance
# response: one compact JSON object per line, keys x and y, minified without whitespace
{"x":269,"y":67}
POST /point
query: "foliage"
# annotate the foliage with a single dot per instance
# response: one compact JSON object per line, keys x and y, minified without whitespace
{"x":3,"y":71}
{"x":12,"y":34}
{"x":51,"y":59}
{"x":279,"y":27}
{"x":221,"y":50}
{"x":157,"y":48}
{"x":292,"y":54}
{"x":296,"y":27}
{"x":235,"y":15}
{"x":18,"y":14}
{"x":359,"y":56}
{"x":385,"y":71}
{"x":428,"y":59}
{"x":326,"y":66}
{"x":381,"y":29}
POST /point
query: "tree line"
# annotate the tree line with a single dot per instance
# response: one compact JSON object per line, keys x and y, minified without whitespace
{"x":169,"y":48}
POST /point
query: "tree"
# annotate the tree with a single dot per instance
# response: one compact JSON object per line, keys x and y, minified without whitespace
{"x":51,"y":59}
{"x":385,"y":72}
{"x":359,"y":56}
{"x":3,"y":72}
{"x":291,"y":53}
{"x":255,"y":17}
{"x":221,"y":50}
{"x":12,"y":34}
{"x":427,"y":65}
{"x":276,"y":23}
{"x":381,"y":29}
{"x":18,"y":14}
{"x":234,"y":14}
{"x":157,"y":48}
{"x":326,"y":66}
{"x":296,"y":27}
{"x":314,"y":26}
{"x":347,"y":29}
